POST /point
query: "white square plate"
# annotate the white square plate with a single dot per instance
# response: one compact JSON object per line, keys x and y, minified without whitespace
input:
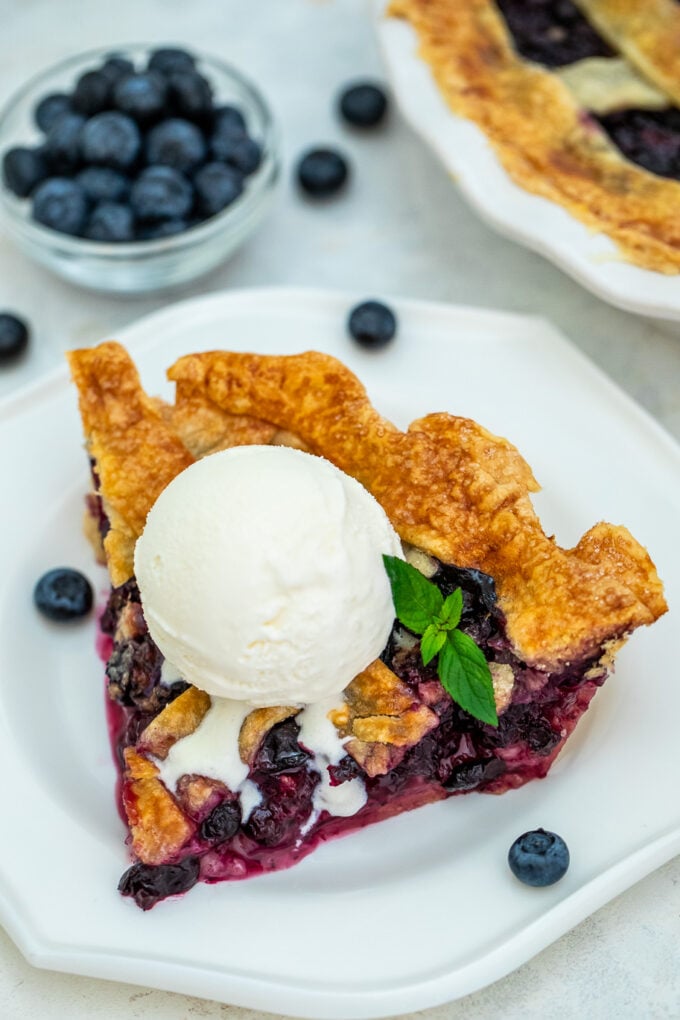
{"x":408,"y":913}
{"x":590,"y":258}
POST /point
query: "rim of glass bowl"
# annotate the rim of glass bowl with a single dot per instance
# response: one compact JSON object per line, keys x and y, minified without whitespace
{"x":258,"y":184}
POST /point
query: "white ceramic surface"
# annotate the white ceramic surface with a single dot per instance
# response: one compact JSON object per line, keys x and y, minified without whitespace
{"x":590,"y":258}
{"x":463,"y":921}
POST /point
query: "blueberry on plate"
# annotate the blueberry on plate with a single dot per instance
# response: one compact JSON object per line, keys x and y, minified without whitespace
{"x":539,"y":858}
{"x":92,"y":93}
{"x":363,"y":104}
{"x":372,"y":324}
{"x":217,"y":186}
{"x":103,"y":184}
{"x":322,"y":172}
{"x":63,"y":594}
{"x":161,"y":193}
{"x":111,"y":221}
{"x":13,"y":337}
{"x":50,"y":109}
{"x":23,"y":169}
{"x":141,"y":96}
{"x":169,"y":59}
{"x":177,"y":143}
{"x":190,"y":95}
{"x":62,"y":143}
{"x":222,"y":823}
{"x":111,"y":139}
{"x":61,"y":204}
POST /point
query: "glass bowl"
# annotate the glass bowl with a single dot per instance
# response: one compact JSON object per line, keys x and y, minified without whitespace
{"x":140,"y":266}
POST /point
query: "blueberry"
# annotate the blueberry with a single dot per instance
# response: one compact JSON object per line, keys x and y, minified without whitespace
{"x":22,"y":169}
{"x":177,"y":143}
{"x":363,"y":105}
{"x":222,"y":823}
{"x":169,"y":59}
{"x":13,"y":337}
{"x":280,"y":750}
{"x":322,"y":172}
{"x":539,"y":858}
{"x":63,"y":594}
{"x":190,"y":95}
{"x":61,"y":204}
{"x":116,"y":67}
{"x":217,"y":186}
{"x":111,"y":221}
{"x":162,"y":228}
{"x":149,"y":883}
{"x":62,"y":144}
{"x":161,"y":193}
{"x":243,"y":152}
{"x":112,"y":139}
{"x":372,"y":324}
{"x":228,"y":120}
{"x":92,"y":93}
{"x":102,"y":184}
{"x":50,"y":109}
{"x":141,"y":96}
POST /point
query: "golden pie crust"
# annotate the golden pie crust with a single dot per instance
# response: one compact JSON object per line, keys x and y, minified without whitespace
{"x":451,"y":489}
{"x":537,"y":128}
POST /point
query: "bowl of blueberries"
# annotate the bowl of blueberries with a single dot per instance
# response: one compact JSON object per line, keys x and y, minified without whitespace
{"x":136,"y":170}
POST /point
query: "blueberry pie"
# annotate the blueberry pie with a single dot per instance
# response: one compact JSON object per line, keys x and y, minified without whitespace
{"x":578,"y":101}
{"x":232,"y":619}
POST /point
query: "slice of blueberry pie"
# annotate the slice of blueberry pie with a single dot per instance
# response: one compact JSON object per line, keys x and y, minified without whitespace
{"x":579,"y":100}
{"x":262,"y":533}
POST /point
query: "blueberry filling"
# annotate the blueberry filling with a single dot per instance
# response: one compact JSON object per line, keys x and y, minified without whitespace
{"x":552,"y":32}
{"x":650,"y":138}
{"x":461,"y":754}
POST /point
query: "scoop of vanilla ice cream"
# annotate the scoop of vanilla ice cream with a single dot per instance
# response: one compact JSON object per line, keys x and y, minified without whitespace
{"x":261,"y":575}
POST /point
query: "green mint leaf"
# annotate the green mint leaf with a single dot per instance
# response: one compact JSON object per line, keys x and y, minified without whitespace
{"x":432,"y":642}
{"x":451,"y":610}
{"x":465,"y":674}
{"x":416,"y":600}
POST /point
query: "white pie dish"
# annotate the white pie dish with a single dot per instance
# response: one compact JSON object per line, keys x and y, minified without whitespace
{"x":58,"y":896}
{"x":590,"y":258}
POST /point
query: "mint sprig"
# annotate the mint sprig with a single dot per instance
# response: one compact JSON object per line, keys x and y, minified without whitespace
{"x":461,"y":667}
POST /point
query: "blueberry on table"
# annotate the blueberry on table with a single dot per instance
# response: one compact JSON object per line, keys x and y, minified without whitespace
{"x":169,"y":59}
{"x":63,"y":594}
{"x":141,"y":96}
{"x":177,"y":143}
{"x":363,"y":105}
{"x":322,"y":172}
{"x":92,"y":93}
{"x":161,"y":193}
{"x":61,"y":204}
{"x":22,"y":169}
{"x":13,"y":337}
{"x":111,"y":221}
{"x":50,"y":109}
{"x":539,"y":858}
{"x":372,"y":324}
{"x":102,"y":184}
{"x":217,"y":186}
{"x":62,"y":143}
{"x":111,"y":139}
{"x":190,"y":95}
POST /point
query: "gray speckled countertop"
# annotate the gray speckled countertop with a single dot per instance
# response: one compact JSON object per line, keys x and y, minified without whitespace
{"x":401,"y":228}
